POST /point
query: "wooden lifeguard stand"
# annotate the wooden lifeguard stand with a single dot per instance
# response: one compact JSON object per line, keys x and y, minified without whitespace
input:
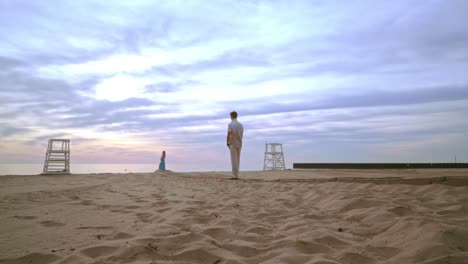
{"x":274,"y":157}
{"x":57,"y":160}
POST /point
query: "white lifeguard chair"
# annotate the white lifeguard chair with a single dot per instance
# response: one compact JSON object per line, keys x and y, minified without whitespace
{"x":274,"y":157}
{"x":57,"y":160}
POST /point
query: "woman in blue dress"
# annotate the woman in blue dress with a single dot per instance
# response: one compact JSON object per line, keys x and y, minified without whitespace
{"x":162,"y":164}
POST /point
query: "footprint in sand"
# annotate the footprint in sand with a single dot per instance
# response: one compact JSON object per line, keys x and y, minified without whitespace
{"x":51,"y":223}
{"x":25,"y":217}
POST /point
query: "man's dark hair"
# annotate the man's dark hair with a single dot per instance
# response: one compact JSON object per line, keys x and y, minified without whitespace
{"x":233,"y":114}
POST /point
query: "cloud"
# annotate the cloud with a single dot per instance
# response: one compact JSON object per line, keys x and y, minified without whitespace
{"x":355,"y":98}
{"x":164,"y":87}
{"x":128,"y":75}
{"x":231,"y":59}
{"x":10,"y":63}
{"x":6,"y":130}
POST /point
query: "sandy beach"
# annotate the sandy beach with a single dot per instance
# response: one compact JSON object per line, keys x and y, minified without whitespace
{"x":310,"y":216}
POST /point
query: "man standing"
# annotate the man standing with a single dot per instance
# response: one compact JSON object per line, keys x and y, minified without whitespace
{"x":234,"y":143}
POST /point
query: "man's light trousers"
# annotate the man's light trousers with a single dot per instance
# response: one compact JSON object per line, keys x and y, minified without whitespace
{"x":235,"y":159}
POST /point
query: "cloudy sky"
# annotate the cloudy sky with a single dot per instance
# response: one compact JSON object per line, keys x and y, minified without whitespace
{"x":334,"y":81}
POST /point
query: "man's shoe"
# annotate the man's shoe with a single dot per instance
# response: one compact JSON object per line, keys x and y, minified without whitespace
{"x":233,"y":178}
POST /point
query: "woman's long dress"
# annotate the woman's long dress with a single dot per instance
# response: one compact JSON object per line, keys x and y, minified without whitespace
{"x":162,"y":164}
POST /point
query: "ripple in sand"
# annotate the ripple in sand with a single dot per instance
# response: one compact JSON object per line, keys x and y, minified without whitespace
{"x":184,"y":238}
{"x":32,"y":258}
{"x":99,"y":251}
{"x":86,"y":202}
{"x":244,"y":249}
{"x":196,"y":256}
{"x":260,"y":230}
{"x":119,"y":235}
{"x":386,"y":252}
{"x":25,"y":217}
{"x":197,"y":202}
{"x":144,"y":217}
{"x":401,"y":211}
{"x":354,"y":204}
{"x":307,"y":247}
{"x":453,"y":259}
{"x":331,"y":241}
{"x":94,"y":227}
{"x":105,"y":206}
{"x":201,"y":219}
{"x":160,"y":203}
{"x":137,"y":254}
{"x":355,"y":258}
{"x":217,"y":233}
{"x":162,"y":210}
{"x":73,"y":259}
{"x":293,"y":259}
{"x":51,"y":223}
{"x":132,"y":207}
{"x":147,"y":240}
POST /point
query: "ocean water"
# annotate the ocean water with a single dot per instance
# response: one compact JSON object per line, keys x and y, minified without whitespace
{"x":32,"y":169}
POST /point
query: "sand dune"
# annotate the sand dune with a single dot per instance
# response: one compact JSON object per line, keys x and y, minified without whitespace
{"x":318,"y":216}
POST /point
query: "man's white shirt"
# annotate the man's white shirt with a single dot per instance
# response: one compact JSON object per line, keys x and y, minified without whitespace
{"x":237,"y":132}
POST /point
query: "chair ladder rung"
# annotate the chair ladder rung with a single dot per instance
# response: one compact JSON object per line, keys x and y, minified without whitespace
{"x":57,"y":160}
